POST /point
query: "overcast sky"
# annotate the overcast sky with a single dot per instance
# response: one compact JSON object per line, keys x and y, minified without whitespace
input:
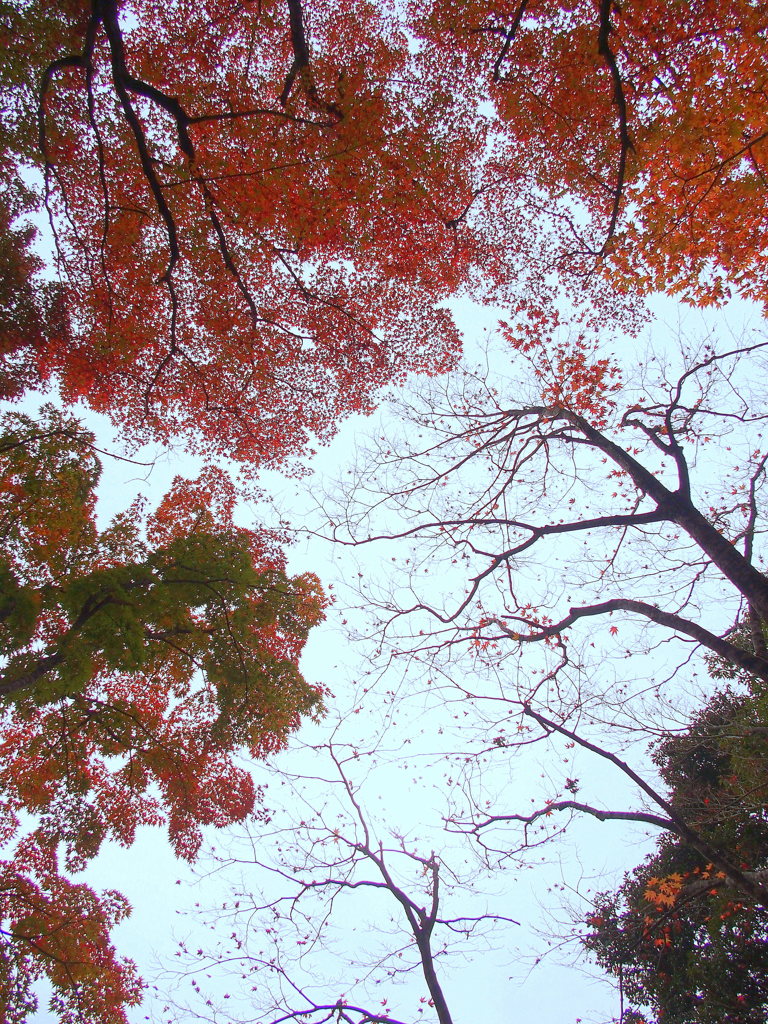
{"x":405,"y":781}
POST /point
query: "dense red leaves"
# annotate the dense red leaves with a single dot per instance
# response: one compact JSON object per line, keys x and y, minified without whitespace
{"x":635,"y":132}
{"x":247,"y":255}
{"x":257,"y":207}
{"x":59,"y":930}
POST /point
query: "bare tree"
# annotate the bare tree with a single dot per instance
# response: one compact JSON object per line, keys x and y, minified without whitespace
{"x":331,"y":912}
{"x":567,"y":557}
{"x":580,"y":557}
{"x":567,"y":522}
{"x":663,"y":816}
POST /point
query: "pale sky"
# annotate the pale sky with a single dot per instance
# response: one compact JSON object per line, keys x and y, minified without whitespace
{"x":407,"y":795}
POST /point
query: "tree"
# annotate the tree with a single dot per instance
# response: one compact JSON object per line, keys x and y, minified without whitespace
{"x":256,"y":211}
{"x":294,"y":910}
{"x":30,"y":310}
{"x":731,"y":860}
{"x":248,"y":210}
{"x":631,"y":138}
{"x":489,"y":489}
{"x":682,"y":941}
{"x":587,"y":645}
{"x":55,"y":929}
{"x":137,"y":660}
{"x":333,"y":860}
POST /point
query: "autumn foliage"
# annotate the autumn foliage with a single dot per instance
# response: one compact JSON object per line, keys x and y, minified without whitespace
{"x":137,"y":660}
{"x":251,"y":242}
{"x":253,"y":216}
{"x":256,"y":208}
{"x":631,"y":136}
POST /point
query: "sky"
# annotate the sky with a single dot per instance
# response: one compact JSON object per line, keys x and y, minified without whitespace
{"x":407,"y":778}
{"x":406,"y":747}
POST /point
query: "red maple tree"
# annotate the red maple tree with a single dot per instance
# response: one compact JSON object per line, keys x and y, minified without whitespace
{"x":137,"y":661}
{"x":249,"y":212}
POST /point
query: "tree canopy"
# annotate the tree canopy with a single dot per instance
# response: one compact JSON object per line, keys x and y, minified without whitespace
{"x":227,"y":226}
{"x":137,"y":661}
{"x":256,"y":210}
{"x":681,"y":940}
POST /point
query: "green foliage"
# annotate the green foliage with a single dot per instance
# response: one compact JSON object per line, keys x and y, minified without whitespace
{"x":136,"y":661}
{"x":76,"y":602}
{"x":683,"y":940}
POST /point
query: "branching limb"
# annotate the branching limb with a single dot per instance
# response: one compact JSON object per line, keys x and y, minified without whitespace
{"x":509,"y":37}
{"x":752,"y":663}
{"x":740,"y":880}
{"x":625,"y":139}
